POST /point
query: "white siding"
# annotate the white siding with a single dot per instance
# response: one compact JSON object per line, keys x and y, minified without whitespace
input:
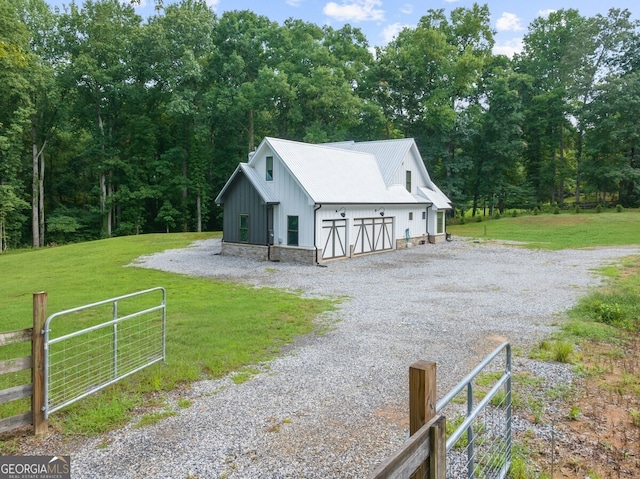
{"x":400,"y":214}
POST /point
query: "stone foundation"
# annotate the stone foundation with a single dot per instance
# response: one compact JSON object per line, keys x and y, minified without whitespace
{"x":277,"y":253}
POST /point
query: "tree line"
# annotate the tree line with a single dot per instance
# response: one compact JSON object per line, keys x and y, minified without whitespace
{"x":115,"y":125}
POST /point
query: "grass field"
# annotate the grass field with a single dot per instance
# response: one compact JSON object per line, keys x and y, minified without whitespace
{"x":600,"y":336}
{"x":213,"y":327}
{"x":566,"y":230}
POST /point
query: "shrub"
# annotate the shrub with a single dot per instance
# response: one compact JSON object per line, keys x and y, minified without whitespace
{"x":576,"y":209}
{"x":608,"y":313}
{"x":514,"y":213}
{"x":479,"y":219}
{"x":536,"y":211}
{"x":599,"y":208}
{"x":496,"y":215}
{"x":619,"y":208}
{"x":556,"y":210}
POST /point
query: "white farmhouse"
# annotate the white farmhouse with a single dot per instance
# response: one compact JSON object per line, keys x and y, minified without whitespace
{"x":295,"y":201}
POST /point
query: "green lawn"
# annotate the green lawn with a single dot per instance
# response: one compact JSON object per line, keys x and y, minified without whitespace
{"x":565,"y":230}
{"x":213,"y":327}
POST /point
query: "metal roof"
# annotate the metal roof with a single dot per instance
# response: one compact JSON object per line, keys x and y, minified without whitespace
{"x":255,"y":179}
{"x":335,"y":174}
{"x":435,"y":196}
{"x":388,"y":153}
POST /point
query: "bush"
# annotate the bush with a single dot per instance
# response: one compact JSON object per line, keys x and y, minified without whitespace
{"x":619,"y":208}
{"x":599,"y":208}
{"x":608,"y":313}
{"x":478,"y":219}
{"x":536,"y":211}
{"x":496,"y":215}
{"x":556,"y":210}
{"x":576,"y":209}
{"x":514,"y":213}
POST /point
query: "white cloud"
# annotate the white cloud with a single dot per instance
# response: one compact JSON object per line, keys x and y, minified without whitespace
{"x":213,"y":3}
{"x":391,"y":31}
{"x":293,"y":3}
{"x":508,"y":48}
{"x":545,"y":13}
{"x":355,"y":10}
{"x":407,"y":9}
{"x":509,"y":22}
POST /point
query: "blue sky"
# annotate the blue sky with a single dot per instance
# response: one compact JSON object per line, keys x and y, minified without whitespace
{"x":380,"y":20}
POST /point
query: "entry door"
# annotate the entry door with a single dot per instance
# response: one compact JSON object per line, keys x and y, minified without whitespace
{"x":373,"y":234}
{"x":334,"y":233}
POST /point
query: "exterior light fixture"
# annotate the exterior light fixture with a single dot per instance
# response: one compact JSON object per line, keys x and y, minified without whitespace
{"x":381,"y":211}
{"x":342,"y":211}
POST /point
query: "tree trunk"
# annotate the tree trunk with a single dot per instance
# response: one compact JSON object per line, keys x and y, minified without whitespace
{"x":35,"y":220}
{"x":251,"y":131}
{"x":41,"y":195}
{"x":199,"y":212}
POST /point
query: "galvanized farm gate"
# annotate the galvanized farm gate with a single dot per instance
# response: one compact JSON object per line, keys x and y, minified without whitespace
{"x":479,"y":448}
{"x":87,"y":360}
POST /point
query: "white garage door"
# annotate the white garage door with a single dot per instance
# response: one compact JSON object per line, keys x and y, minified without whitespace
{"x":373,"y":234}
{"x":334,"y":234}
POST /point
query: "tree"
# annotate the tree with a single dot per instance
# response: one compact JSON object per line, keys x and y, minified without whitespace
{"x":98,"y":41}
{"x":15,"y":111}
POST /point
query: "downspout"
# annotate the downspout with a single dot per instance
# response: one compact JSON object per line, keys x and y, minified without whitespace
{"x":315,"y":229}
{"x":428,"y":235}
{"x":269,"y":207}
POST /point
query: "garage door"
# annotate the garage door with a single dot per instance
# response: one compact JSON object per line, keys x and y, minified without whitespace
{"x":373,"y":234}
{"x":334,"y":234}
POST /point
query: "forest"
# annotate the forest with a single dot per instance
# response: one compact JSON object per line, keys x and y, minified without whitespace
{"x":111,"y":124}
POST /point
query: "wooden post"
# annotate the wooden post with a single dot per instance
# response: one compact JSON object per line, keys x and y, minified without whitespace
{"x":422,"y":399}
{"x":40,"y":424}
{"x":438,"y":449}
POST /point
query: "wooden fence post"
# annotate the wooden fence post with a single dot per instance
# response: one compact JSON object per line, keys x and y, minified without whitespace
{"x":422,"y":399}
{"x":438,"y":449}
{"x":40,"y":424}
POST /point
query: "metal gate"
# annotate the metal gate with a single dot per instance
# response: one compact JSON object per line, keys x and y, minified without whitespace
{"x":373,"y":234}
{"x":480,"y":447}
{"x":85,"y":361}
{"x":335,"y":234}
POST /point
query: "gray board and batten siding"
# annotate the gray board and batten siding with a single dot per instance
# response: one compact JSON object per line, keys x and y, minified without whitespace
{"x":242,"y":198}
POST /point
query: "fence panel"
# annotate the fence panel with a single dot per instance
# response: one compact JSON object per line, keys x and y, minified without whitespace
{"x":16,"y":392}
{"x":85,"y":361}
{"x":480,"y":446}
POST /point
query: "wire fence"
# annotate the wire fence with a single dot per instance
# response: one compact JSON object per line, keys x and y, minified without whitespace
{"x":122,"y":336}
{"x":479,"y":420}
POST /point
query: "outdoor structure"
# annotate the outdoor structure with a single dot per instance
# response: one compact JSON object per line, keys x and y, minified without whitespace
{"x":295,"y":201}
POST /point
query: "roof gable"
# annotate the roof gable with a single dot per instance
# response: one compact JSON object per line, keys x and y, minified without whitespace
{"x":330,"y":174}
{"x":255,"y":180}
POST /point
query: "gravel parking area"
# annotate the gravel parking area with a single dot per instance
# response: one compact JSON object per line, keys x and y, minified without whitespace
{"x":335,"y":405}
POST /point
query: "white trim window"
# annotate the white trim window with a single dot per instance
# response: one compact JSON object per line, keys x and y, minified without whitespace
{"x":440,"y":222}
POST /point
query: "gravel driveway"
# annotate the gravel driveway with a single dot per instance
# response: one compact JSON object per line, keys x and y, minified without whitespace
{"x":335,"y":405}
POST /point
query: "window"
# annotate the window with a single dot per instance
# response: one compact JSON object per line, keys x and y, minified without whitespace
{"x":292,"y":230}
{"x":244,"y":228}
{"x":408,"y":180}
{"x":410,"y":215}
{"x":440,"y":225}
{"x":269,"y":172}
{"x":424,"y":215}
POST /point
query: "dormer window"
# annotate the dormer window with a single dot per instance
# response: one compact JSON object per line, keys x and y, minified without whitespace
{"x":269,"y":169}
{"x":408,"y":180}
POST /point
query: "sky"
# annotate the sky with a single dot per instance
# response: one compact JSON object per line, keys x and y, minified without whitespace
{"x":381,"y":20}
